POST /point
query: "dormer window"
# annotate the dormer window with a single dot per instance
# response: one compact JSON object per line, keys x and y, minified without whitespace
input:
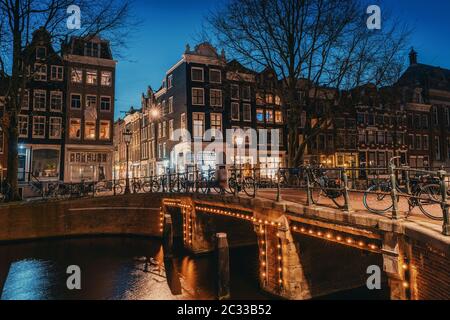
{"x":92,"y":49}
{"x":41,"y":53}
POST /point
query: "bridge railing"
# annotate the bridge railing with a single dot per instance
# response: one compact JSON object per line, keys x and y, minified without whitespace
{"x":377,"y":190}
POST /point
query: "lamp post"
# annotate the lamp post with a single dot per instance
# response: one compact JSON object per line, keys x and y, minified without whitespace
{"x":127,"y":138}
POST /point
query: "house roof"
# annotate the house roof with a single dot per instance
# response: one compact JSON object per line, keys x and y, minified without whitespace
{"x":425,"y":76}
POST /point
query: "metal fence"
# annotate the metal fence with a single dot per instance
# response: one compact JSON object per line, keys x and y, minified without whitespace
{"x":377,"y":190}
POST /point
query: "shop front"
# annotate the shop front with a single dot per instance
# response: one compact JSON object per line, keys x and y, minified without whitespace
{"x":88,"y":164}
{"x":41,"y":162}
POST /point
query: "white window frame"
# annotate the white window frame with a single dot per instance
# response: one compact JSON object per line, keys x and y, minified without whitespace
{"x":110,"y":103}
{"x":101,"y":78}
{"x":215,"y":70}
{"x":57,"y":93}
{"x":24,"y":116}
{"x":231,"y":92}
{"x":35,"y":136}
{"x":210,"y":98}
{"x":70,"y":124}
{"x":249,"y":93}
{"x":50,"y":128}
{"x":213,"y":128}
{"x":194,"y":114}
{"x":45,"y":100}
{"x":171,"y":123}
{"x":77,"y":71}
{"x":198,"y":104}
{"x":26,"y":96}
{"x":58,"y":68}
{"x":238,"y":111}
{"x":81,"y":101}
{"x":192,"y":74}
{"x":100,"y":128}
{"x":249,"y":106}
{"x":40,"y":75}
{"x":170,"y":107}
{"x":87,"y":77}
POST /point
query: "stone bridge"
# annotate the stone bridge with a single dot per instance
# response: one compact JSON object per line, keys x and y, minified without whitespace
{"x":304,"y":251}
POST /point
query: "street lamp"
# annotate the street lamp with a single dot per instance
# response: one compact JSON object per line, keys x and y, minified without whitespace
{"x":127,"y":138}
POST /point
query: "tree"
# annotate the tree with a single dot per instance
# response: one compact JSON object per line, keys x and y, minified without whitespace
{"x":18,"y":20}
{"x":317,"y":49}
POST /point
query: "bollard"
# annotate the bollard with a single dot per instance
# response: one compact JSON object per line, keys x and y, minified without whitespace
{"x":444,"y":205}
{"x":163,"y":183}
{"x":309,"y":200}
{"x":278,"y":186}
{"x":178,"y":183}
{"x":168,"y":236}
{"x":346,"y":194}
{"x":223,"y":267}
{"x":394,"y":193}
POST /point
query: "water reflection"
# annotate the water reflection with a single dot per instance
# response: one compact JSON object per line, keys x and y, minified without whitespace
{"x":120,"y":268}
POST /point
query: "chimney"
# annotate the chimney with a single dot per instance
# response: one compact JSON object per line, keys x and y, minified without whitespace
{"x":412,"y":57}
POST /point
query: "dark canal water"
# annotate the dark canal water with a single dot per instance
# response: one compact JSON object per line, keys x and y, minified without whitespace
{"x":128,"y":268}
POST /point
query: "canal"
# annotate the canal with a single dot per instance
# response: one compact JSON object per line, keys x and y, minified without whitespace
{"x":128,"y":268}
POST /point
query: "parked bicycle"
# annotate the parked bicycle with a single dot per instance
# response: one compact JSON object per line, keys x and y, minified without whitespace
{"x":422,"y":192}
{"x":238,"y":183}
{"x":325,"y":186}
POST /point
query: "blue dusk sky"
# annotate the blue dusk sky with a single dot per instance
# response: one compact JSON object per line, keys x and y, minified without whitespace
{"x":166,"y":28}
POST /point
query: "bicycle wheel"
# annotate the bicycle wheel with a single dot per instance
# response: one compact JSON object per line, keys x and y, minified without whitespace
{"x":316,"y":192}
{"x":232,"y":186}
{"x":249,"y":187}
{"x":377,"y":198}
{"x":147,"y":187}
{"x":429,"y":201}
{"x":118,"y":189}
{"x":155,"y":186}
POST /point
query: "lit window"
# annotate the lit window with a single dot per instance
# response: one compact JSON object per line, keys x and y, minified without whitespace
{"x":260,"y":115}
{"x":105,"y":130}
{"x":278,"y":117}
{"x":91,"y":77}
{"x":38,"y":127}
{"x":215,"y":98}
{"x":76,"y":75}
{"x":199,"y":125}
{"x":197,"y":74}
{"x":40,"y":100}
{"x":56,"y":100}
{"x":55,"y":128}
{"x":269,"y":98}
{"x":75,"y":129}
{"x":216,"y":124}
{"x":57,"y":73}
{"x":106,"y":79}
{"x":89,"y":130}
{"x":198,"y":97}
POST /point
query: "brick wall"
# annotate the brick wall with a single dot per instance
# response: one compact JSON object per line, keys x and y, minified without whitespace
{"x":431,"y":272}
